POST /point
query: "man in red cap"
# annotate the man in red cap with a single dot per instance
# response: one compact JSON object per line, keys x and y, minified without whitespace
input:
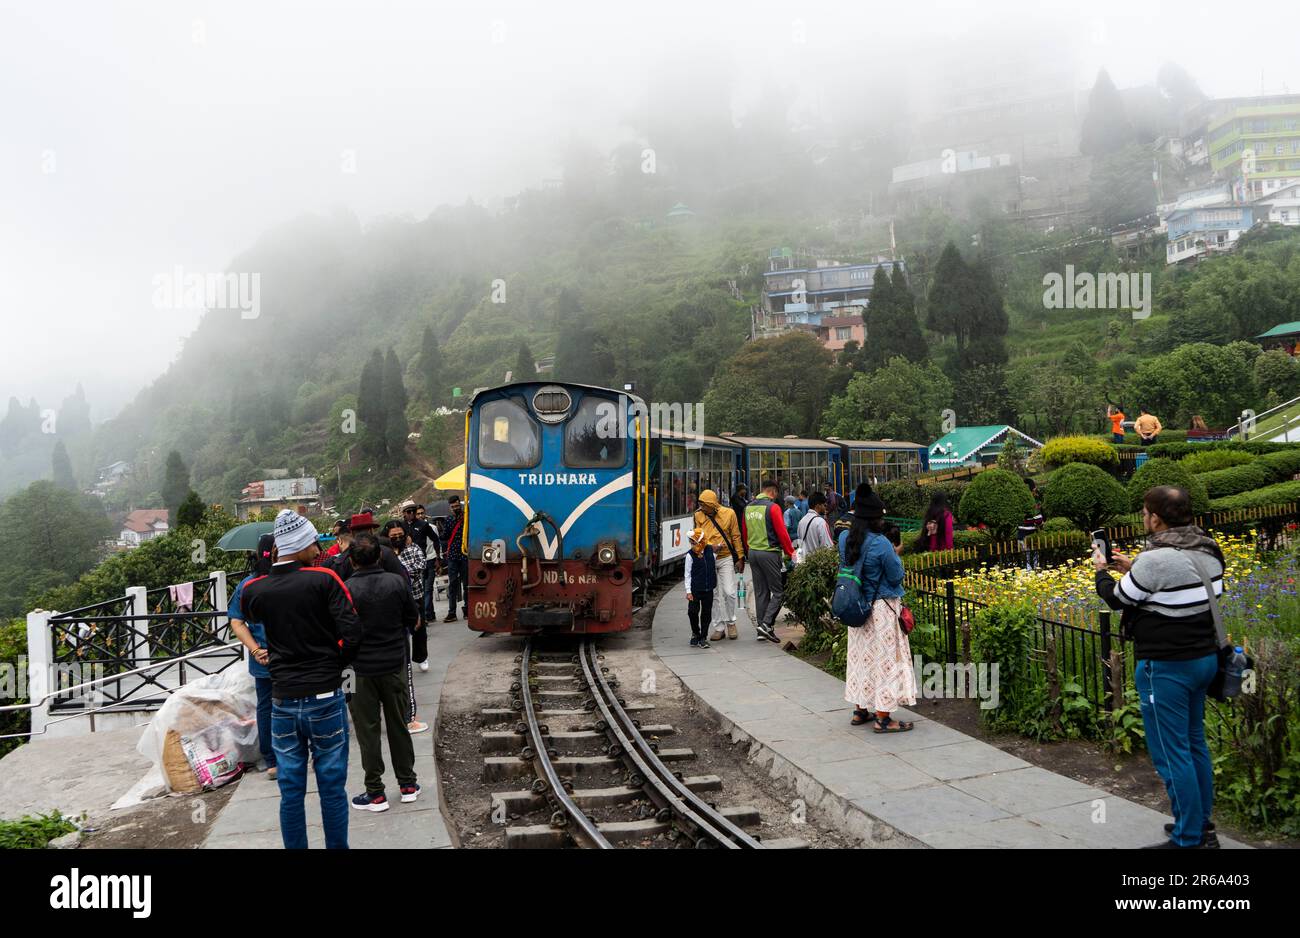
{"x":365,"y":523}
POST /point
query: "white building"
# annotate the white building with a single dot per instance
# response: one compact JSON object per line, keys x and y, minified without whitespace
{"x":142,"y":525}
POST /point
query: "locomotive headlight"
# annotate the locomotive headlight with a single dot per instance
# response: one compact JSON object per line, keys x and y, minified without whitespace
{"x":606,"y":555}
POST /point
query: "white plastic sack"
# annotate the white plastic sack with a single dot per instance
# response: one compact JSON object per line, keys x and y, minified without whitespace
{"x":214,"y":720}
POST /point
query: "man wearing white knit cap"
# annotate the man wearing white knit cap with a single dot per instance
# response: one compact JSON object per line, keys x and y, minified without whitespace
{"x":312,"y":634}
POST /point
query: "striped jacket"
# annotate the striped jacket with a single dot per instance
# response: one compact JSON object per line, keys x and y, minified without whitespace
{"x":1166,"y":609}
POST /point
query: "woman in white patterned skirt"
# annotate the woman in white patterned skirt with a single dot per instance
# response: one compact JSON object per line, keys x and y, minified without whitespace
{"x":879,"y":676}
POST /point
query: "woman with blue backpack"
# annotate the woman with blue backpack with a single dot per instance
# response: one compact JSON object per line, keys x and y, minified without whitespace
{"x":869,"y":601}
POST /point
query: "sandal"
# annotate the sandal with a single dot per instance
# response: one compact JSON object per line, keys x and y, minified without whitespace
{"x":889,"y":725}
{"x":861,"y":716}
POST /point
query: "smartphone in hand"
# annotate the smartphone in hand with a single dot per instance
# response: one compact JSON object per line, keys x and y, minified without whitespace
{"x":1101,"y":544}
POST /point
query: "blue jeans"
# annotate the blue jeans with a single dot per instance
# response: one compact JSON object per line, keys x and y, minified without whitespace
{"x":264,"y":720}
{"x":321,"y":723}
{"x":1172,"y":695}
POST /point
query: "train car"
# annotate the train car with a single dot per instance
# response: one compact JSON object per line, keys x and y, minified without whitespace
{"x":680,"y":468}
{"x":877,"y":461}
{"x":796,"y":464}
{"x":557,"y":514}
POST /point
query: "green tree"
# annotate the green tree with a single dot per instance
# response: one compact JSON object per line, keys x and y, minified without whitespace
{"x":62,"y":532}
{"x":176,"y":483}
{"x":525,"y":368}
{"x":371,"y":410}
{"x":430,"y":367}
{"x":901,"y":401}
{"x":779,"y":381}
{"x":190,"y":513}
{"x":949,"y":294}
{"x":892,"y":326}
{"x":1216,"y":382}
{"x":1106,"y":126}
{"x":394,"y":398}
{"x":1120,"y":186}
{"x":1276,"y":372}
{"x":1010,"y":457}
{"x":63,"y":475}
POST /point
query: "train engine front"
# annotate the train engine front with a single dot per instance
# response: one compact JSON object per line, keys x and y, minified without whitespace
{"x":555,"y":494}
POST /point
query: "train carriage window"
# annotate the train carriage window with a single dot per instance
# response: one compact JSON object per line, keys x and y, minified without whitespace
{"x":588,"y":444}
{"x":507,"y":436}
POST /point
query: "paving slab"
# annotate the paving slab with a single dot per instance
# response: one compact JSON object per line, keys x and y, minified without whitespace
{"x":251,"y":819}
{"x":932,"y":787}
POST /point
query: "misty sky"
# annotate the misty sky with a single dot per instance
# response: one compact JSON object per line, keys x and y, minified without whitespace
{"x":140,"y":136}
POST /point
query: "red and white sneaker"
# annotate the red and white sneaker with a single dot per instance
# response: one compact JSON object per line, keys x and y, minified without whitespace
{"x":410,"y":793}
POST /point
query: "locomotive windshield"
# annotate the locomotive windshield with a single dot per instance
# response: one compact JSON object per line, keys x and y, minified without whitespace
{"x":507,"y":436}
{"x":588,"y":444}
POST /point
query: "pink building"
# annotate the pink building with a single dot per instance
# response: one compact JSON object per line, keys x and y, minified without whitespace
{"x":837,"y":331}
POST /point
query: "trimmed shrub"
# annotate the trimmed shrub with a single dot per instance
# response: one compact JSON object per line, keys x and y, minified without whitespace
{"x":1167,"y":472}
{"x":905,"y":499}
{"x":1280,"y":494}
{"x":1237,"y":479}
{"x":1215,"y":459}
{"x":1089,"y":497}
{"x":997,"y":499}
{"x":1063,"y":450}
{"x":1254,"y":447}
{"x":1064,"y":525}
{"x":808,"y":593}
{"x":1283,"y":464}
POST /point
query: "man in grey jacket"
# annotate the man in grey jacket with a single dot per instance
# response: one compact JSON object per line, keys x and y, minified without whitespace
{"x":1167,"y":613}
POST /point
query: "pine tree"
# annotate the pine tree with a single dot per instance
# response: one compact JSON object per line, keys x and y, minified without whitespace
{"x":985,"y":318}
{"x":64,"y":477}
{"x":74,"y":415}
{"x":370,"y":408}
{"x":893,"y":330}
{"x":945,"y":311}
{"x":1106,"y":128}
{"x":190,"y":513}
{"x":394,"y":398}
{"x":176,"y":483}
{"x":525,"y":368}
{"x":430,"y":367}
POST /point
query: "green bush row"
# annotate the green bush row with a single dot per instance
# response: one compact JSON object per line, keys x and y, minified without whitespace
{"x":1255,"y":447}
{"x":1260,"y":472}
{"x":1279,"y":494}
{"x":1215,"y":459}
{"x":1167,"y":472}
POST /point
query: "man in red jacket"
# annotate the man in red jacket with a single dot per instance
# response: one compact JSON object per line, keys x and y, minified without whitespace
{"x":312,"y":634}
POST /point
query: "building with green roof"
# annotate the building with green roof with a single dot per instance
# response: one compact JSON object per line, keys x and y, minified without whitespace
{"x":970,"y":446}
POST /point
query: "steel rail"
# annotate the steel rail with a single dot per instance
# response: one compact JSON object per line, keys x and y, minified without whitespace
{"x":586,"y":833}
{"x":679,"y":799}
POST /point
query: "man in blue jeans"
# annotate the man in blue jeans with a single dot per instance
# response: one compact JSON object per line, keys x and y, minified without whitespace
{"x":1169,"y":614}
{"x":312,"y":634}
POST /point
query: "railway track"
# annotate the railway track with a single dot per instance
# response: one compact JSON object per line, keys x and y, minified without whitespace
{"x":644,"y":801}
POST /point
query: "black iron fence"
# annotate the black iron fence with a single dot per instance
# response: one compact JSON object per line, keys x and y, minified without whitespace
{"x":1085,"y":651}
{"x":111,"y":638}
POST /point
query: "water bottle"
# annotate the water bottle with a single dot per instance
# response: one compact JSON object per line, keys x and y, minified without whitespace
{"x":1233,"y":672}
{"x":740,"y":588}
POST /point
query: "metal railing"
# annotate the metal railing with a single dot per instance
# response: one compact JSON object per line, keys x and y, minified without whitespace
{"x":139,"y":648}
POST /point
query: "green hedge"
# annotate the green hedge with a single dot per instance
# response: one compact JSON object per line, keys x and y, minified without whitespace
{"x":1236,"y":480}
{"x":905,"y":499}
{"x":1064,"y":450}
{"x":1283,"y":464}
{"x":997,"y":499}
{"x":1215,"y":459}
{"x":1167,"y":472}
{"x":1255,"y":447}
{"x":1086,"y":495}
{"x":1279,"y":494}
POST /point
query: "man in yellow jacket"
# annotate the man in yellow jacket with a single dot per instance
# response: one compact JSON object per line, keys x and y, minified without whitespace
{"x":1147,"y":427}
{"x":722,"y":533}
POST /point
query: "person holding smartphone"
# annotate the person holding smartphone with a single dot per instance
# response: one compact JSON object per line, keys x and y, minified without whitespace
{"x":1167,"y":611}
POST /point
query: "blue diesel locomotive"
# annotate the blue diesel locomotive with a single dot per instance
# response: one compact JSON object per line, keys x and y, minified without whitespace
{"x":574,"y":501}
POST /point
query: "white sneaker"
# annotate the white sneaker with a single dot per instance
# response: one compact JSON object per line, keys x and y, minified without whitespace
{"x":415,"y":726}
{"x":424,"y":665}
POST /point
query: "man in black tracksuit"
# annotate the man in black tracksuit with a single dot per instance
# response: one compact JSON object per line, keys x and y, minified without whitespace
{"x":387,"y":610}
{"x":312,"y":634}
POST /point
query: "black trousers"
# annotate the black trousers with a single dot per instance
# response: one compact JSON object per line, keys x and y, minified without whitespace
{"x":458,"y":585}
{"x":700,"y":611}
{"x":420,"y":643}
{"x":384,"y":695}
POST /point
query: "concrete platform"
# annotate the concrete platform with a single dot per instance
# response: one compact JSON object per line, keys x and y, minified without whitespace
{"x":931,"y":787}
{"x":251,"y":819}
